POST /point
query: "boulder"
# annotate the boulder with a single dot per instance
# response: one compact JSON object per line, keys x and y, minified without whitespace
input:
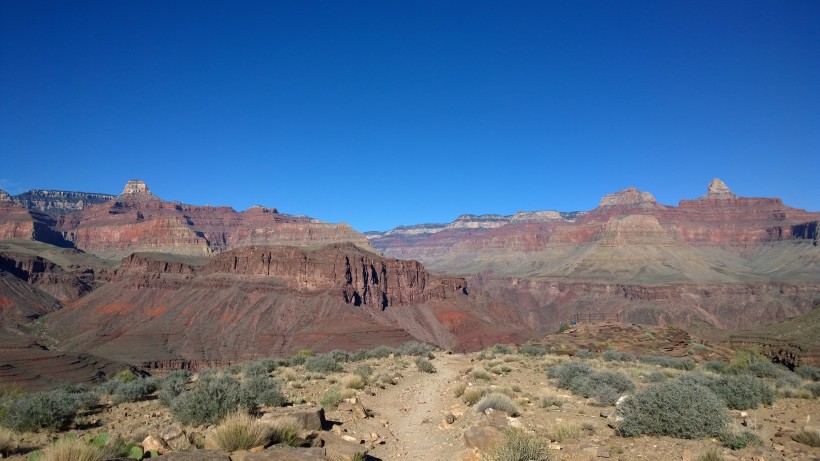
{"x":195,"y":455}
{"x":311,"y":417}
{"x":339,"y":449}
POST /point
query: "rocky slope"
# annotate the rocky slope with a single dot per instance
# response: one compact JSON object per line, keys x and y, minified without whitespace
{"x":159,"y":311}
{"x":57,"y":202}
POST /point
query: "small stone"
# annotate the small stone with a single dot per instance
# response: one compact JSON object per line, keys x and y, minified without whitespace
{"x":605,"y":414}
{"x":257,"y":449}
{"x":450,"y":418}
{"x":350,"y":439}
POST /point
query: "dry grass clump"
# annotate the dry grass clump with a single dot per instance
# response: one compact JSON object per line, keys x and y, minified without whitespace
{"x":331,"y":398}
{"x":552,"y":399}
{"x":809,"y":438}
{"x":72,"y":450}
{"x":499,"y":402}
{"x":354,"y":382}
{"x":6,"y":441}
{"x":459,"y":389}
{"x":518,"y":445}
{"x":472,"y":395}
{"x":713,"y":454}
{"x":241,"y":431}
{"x":561,"y":432}
{"x":286,"y":429}
{"x":480,"y":373}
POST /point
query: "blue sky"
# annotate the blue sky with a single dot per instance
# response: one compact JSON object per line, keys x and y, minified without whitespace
{"x":383,"y":113}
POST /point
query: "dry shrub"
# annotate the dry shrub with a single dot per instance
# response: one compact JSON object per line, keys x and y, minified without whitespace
{"x":286,"y":429}
{"x":472,"y":395}
{"x":561,"y":432}
{"x":354,"y":382}
{"x":459,"y":389}
{"x":480,"y":373}
{"x":518,"y":445}
{"x":810,"y":438}
{"x":499,"y":402}
{"x":241,"y":431}
{"x":6,"y":441}
{"x":71,"y":450}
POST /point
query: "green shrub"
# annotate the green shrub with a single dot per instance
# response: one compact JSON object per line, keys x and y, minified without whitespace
{"x":739,"y":440}
{"x":611,"y":355}
{"x":53,"y":410}
{"x":807,"y":372}
{"x":322,"y":364}
{"x":562,"y":327}
{"x":380,"y":352}
{"x":499,"y":402}
{"x":133,"y":391}
{"x":125,"y":376}
{"x":208,"y":402}
{"x":240,"y":431}
{"x":788,"y":379}
{"x":739,"y":392}
{"x":674,"y":409}
{"x":338,"y":355}
{"x":668,"y":362}
{"x":331,"y":398}
{"x":566,"y":372}
{"x":415,"y":348}
{"x":364,"y":370}
{"x":766,"y":369}
{"x":260,"y":390}
{"x":425,"y":365}
{"x":518,"y":445}
{"x":172,"y":385}
{"x":502,"y":349}
{"x":604,"y":386}
{"x":532,"y":350}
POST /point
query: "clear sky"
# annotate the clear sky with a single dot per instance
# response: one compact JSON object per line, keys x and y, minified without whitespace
{"x":381,"y":113}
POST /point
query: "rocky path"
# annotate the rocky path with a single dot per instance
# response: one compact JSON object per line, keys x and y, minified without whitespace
{"x":415,"y":410}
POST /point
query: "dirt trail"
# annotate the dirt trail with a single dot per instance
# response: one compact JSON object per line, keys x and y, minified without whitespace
{"x":416,"y":409}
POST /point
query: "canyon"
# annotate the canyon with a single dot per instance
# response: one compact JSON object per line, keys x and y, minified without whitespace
{"x":109,"y":281}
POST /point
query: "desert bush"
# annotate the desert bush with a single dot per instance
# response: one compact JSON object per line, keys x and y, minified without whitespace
{"x":550,"y":400}
{"x":480,"y":373}
{"x":499,"y":402}
{"x":172,"y":385}
{"x":742,"y":392}
{"x":561,"y":432}
{"x":611,"y":355}
{"x":133,"y":391}
{"x":745,"y":358}
{"x":562,"y":327}
{"x":810,"y":438}
{"x":285,"y":430}
{"x":472,"y":395}
{"x":585,"y":354}
{"x":566,"y":372}
{"x":415,"y":348}
{"x":715,"y":366}
{"x":807,"y":372}
{"x":380,"y":352}
{"x":338,"y":355}
{"x":353,"y":382}
{"x":712,"y":454}
{"x":331,"y":398}
{"x":84,"y":398}
{"x":260,"y":390}
{"x":6,"y":441}
{"x":208,"y":402}
{"x":72,"y":449}
{"x":425,"y":365}
{"x":739,"y":440}
{"x":240,"y":431}
{"x":675,"y":409}
{"x":364,"y":370}
{"x":655,"y":377}
{"x":125,"y":376}
{"x":766,"y":369}
{"x":459,"y":389}
{"x":322,"y":364}
{"x":255,"y":368}
{"x":532,"y":350}
{"x":502,"y":349}
{"x":53,"y":410}
{"x":518,"y":445}
{"x":788,"y":379}
{"x":668,"y":362}
{"x":814,"y":388}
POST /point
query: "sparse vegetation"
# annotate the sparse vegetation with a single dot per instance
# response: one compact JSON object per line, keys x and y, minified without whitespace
{"x":71,"y":449}
{"x":668,"y":362}
{"x":415,"y":348}
{"x":353,"y":382}
{"x":676,"y":409}
{"x":611,"y":355}
{"x":240,"y":431}
{"x":425,"y":365}
{"x":532,"y":350}
{"x":209,"y":401}
{"x":459,"y":389}
{"x":712,"y":454}
{"x":322,"y":364}
{"x":518,"y":445}
{"x":331,"y":398}
{"x":6,"y":441}
{"x":286,"y":429}
{"x":499,"y":402}
{"x":53,"y":410}
{"x":603,"y":386}
{"x":472,"y":395}
{"x":808,"y":372}
{"x":133,"y":391}
{"x":739,"y":440}
{"x":809,"y":438}
{"x":561,"y":432}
